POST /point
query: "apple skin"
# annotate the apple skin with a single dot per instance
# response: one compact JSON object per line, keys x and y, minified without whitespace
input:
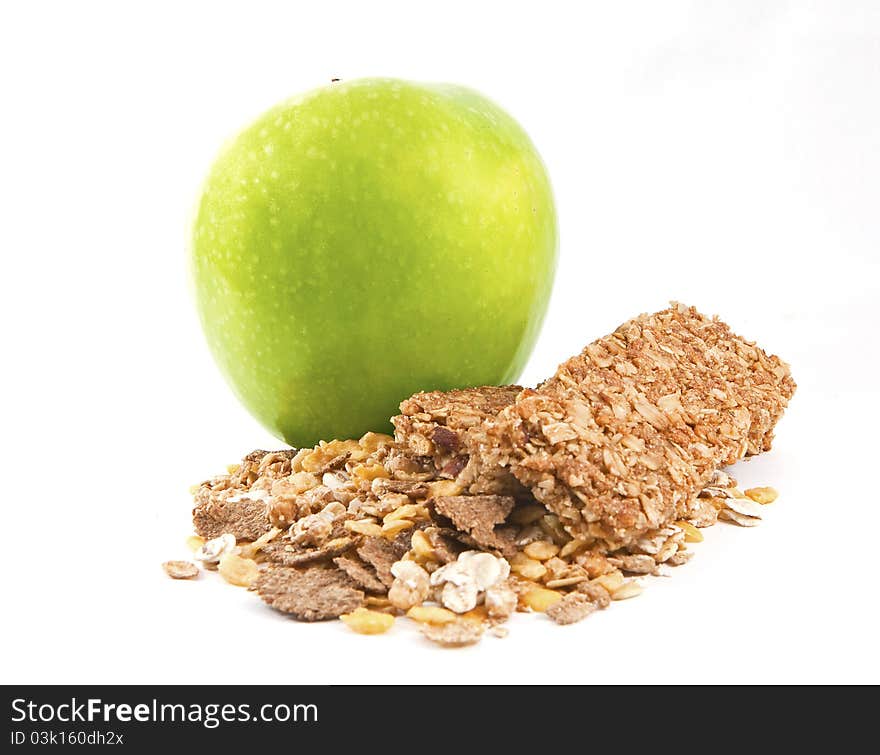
{"x":368,"y":240}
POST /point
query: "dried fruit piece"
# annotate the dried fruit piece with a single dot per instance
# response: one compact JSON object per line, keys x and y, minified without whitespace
{"x":194,"y":542}
{"x":237,"y":570}
{"x":365,"y":621}
{"x":762,"y":495}
{"x":181,"y":569}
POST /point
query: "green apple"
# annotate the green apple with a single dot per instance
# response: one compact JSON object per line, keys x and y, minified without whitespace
{"x":368,"y":240}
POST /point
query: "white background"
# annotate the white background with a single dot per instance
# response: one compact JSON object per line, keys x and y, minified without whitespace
{"x":727,"y":155}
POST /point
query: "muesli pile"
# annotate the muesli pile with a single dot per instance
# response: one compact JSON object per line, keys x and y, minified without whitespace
{"x":499,"y":499}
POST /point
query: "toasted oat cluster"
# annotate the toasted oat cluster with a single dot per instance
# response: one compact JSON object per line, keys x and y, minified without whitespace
{"x":494,"y":500}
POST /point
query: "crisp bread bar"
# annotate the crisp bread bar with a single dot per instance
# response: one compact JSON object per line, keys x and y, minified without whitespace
{"x":707,"y":389}
{"x":447,"y":433}
{"x":623,"y":437}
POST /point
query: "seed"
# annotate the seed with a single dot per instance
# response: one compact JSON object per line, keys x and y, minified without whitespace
{"x":232,"y":468}
{"x":237,"y":570}
{"x":762,"y":495}
{"x":364,"y":527}
{"x":421,"y":546}
{"x":392,"y":528}
{"x":669,"y":549}
{"x":527,"y":567}
{"x":611,"y":581}
{"x":691,"y":533}
{"x":443,"y":488}
{"x":431,"y":615}
{"x":541,"y":550}
{"x":628,"y":590}
{"x":365,"y":621}
{"x":540,"y":599}
{"x":407,"y":511}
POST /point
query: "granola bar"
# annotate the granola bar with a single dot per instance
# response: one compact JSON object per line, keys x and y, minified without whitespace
{"x":446,"y":433}
{"x":624,"y":436}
